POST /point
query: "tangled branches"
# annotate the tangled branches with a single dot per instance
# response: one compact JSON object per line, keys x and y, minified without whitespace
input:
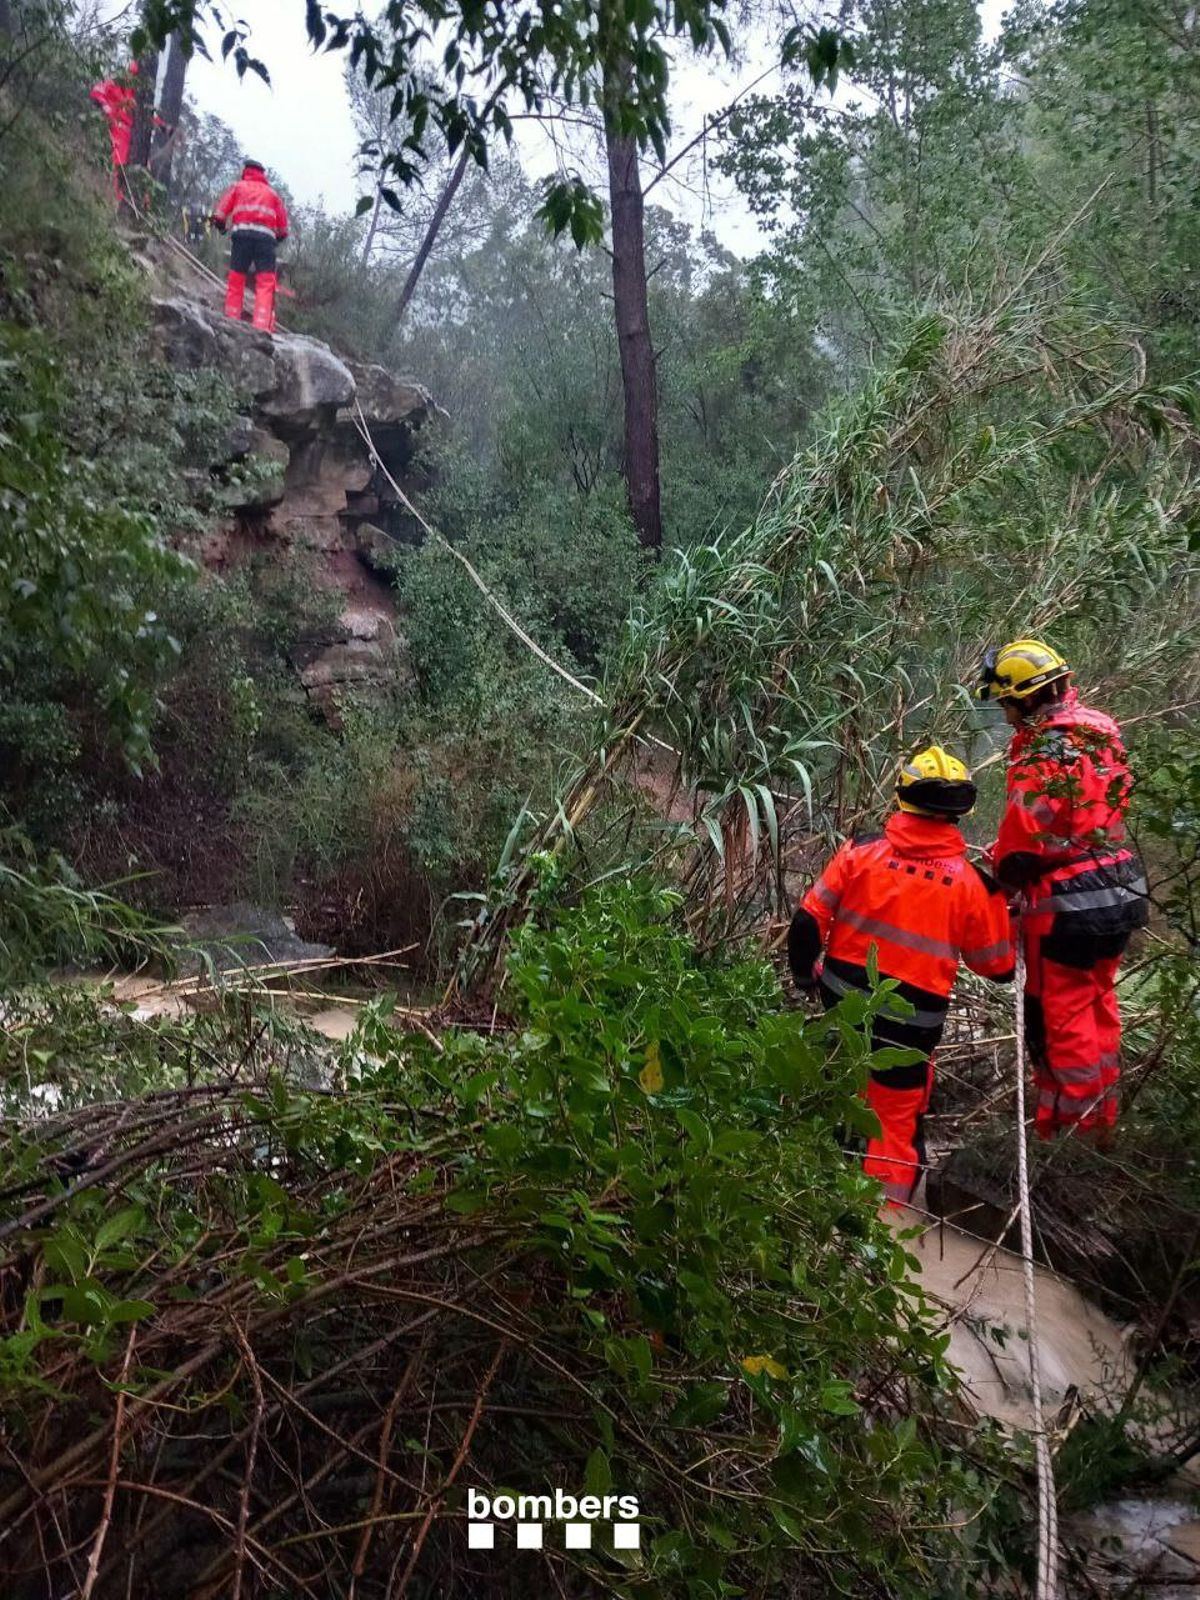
{"x":217,"y":1369}
{"x":260,"y":1340}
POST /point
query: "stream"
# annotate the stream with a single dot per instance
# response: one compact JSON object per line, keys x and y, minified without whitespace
{"x":1135,"y":1546}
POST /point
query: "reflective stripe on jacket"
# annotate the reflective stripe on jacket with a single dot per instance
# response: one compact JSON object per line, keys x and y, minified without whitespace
{"x":251,"y":206}
{"x":910,"y":896}
{"x":911,"y":893}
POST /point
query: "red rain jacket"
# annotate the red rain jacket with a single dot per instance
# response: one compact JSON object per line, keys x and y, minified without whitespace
{"x":913,"y":894}
{"x":251,"y":206}
{"x":1062,"y":836}
{"x":910,"y":893}
{"x":117,"y":103}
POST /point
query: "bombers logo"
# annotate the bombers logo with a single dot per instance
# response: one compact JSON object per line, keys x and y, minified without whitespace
{"x":530,"y":1512}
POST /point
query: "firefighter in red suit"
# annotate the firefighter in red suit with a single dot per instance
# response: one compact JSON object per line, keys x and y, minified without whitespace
{"x":116,"y":99}
{"x":1061,"y":845}
{"x":910,"y":895}
{"x":257,"y":219}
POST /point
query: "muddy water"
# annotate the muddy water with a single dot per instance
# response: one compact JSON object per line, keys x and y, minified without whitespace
{"x":1150,"y":1543}
{"x":1081,"y":1349}
{"x":153,"y":998}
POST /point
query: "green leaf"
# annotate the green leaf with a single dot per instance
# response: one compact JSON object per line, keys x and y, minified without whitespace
{"x":130,"y":1311}
{"x":64,"y":1251}
{"x":790,"y":1524}
{"x":837,"y":1397}
{"x":694,"y":1126}
{"x":597,"y":1475}
{"x":702,"y":1404}
{"x":119,"y":1226}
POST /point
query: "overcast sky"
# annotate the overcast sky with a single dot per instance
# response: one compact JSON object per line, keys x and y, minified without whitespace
{"x":301,"y":128}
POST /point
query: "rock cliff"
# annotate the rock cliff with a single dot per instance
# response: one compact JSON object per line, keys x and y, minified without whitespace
{"x":303,"y":489}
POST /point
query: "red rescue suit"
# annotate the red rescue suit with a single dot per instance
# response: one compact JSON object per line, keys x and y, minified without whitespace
{"x":117,"y":100}
{"x":257,"y":219}
{"x":1062,"y":842}
{"x":911,"y":895}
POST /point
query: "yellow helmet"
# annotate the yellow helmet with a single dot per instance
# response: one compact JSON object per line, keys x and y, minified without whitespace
{"x":933,"y":783}
{"x":1019,"y":670}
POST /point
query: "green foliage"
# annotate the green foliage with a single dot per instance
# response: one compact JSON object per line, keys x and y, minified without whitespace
{"x":47,"y":915}
{"x":505,"y":333}
{"x":1110,"y":113}
{"x":956,"y":161}
{"x":103,"y":466}
{"x":644,"y":1174}
{"x":462,"y":96}
{"x":369,"y":832}
{"x":566,"y":564}
{"x":1168,"y":796}
{"x":572,"y":207}
{"x":731,"y":1231}
{"x":788,"y":664}
{"x":79,"y":568}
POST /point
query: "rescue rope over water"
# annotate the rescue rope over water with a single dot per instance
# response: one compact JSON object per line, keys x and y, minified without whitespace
{"x":1047,"y":1541}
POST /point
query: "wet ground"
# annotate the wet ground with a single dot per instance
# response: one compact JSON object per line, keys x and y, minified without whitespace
{"x":1082,"y":1351}
{"x":1134,"y":1547}
{"x":335,"y":1018}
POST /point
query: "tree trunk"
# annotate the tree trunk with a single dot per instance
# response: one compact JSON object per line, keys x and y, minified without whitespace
{"x":6,"y":17}
{"x":166,"y":138}
{"x":372,"y":229}
{"x":431,"y":233}
{"x":143,"y":110}
{"x":638,"y":377}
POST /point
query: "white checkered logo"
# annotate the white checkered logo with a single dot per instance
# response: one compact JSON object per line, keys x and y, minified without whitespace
{"x":573,"y":1519}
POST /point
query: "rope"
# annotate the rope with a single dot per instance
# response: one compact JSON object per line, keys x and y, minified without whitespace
{"x":1047,"y":1543}
{"x":505,"y":615}
{"x":433,"y":533}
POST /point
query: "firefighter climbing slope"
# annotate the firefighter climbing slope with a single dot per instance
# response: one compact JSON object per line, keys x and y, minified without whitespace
{"x":258,"y":222}
{"x":116,"y":97}
{"x":910,"y":894}
{"x":1061,"y":844}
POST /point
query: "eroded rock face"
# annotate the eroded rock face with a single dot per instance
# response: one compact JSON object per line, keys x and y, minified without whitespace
{"x":376,"y":547}
{"x":386,"y":399}
{"x":185,"y":335}
{"x":359,"y":656}
{"x":301,"y":484}
{"x":309,"y":382}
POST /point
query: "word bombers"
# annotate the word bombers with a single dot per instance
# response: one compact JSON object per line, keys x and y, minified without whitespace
{"x":530,"y":1512}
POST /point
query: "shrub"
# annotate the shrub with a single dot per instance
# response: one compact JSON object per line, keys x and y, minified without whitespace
{"x":616,"y":1247}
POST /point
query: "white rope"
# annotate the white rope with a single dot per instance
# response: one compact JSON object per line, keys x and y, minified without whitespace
{"x":1047,"y":1544}
{"x":505,"y":616}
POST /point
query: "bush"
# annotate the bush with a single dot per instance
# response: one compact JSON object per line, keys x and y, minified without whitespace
{"x":615,"y":1248}
{"x":103,"y":453}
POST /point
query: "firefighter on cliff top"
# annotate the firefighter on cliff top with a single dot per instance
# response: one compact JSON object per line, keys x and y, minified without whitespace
{"x":910,"y":894}
{"x":116,"y":98}
{"x":258,"y":221}
{"x":1061,"y":845}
